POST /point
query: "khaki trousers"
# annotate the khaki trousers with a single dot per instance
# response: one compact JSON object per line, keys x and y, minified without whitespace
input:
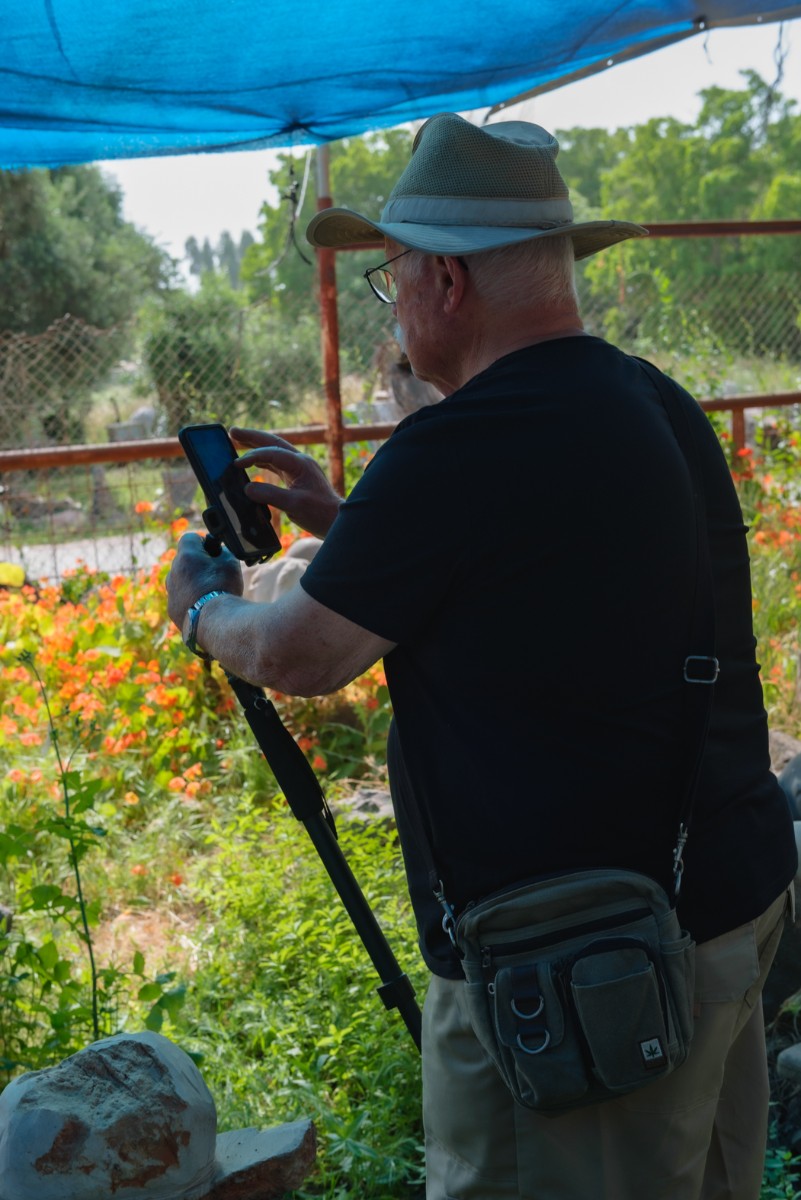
{"x":698,"y":1134}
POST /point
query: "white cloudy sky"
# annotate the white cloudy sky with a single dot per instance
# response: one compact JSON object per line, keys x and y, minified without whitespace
{"x":202,"y":195}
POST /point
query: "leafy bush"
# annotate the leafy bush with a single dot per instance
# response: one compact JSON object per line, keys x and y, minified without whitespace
{"x":123,"y":754}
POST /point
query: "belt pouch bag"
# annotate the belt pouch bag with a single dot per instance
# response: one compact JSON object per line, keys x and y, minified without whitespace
{"x":580,"y":987}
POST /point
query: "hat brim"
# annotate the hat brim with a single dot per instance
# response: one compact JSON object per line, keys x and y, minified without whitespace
{"x":339,"y":228}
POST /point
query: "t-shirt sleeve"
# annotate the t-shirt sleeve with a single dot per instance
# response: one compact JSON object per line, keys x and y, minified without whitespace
{"x":396,"y":545}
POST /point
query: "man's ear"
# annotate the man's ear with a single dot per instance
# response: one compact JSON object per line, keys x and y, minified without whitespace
{"x":454,"y":275}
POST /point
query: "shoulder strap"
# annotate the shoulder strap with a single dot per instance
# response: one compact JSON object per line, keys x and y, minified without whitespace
{"x":701,"y":667}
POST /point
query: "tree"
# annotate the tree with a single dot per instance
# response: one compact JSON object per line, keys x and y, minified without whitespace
{"x":72,"y":273}
{"x":739,"y":161}
{"x":224,"y":259}
{"x":213,"y":358}
{"x":65,"y":248}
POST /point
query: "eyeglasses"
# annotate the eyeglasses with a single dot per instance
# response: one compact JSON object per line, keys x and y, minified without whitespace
{"x":382,"y":281}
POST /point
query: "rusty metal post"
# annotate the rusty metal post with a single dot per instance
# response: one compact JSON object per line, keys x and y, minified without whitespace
{"x":737,"y":430}
{"x":329,"y":329}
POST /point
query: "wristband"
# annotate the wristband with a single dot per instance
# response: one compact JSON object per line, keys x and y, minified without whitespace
{"x":189,"y":630}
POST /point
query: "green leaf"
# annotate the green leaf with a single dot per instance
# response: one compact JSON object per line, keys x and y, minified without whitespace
{"x":139,"y":963}
{"x":154,"y":1019}
{"x":48,"y":955}
{"x":174,"y":1000}
{"x":150,"y":991}
{"x":45,"y":894}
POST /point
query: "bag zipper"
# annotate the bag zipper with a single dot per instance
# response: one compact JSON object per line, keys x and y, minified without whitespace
{"x":563,"y":935}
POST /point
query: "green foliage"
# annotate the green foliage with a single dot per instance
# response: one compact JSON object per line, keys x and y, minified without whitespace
{"x":213,"y":359}
{"x":739,"y":161}
{"x":172,"y":810}
{"x":780,"y":1178}
{"x":50,"y":1006}
{"x":65,"y":249}
{"x":285,"y":986}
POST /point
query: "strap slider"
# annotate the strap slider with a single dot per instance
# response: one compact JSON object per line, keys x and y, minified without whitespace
{"x":701,"y":668}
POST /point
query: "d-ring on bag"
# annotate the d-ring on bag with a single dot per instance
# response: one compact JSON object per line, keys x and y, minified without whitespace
{"x":580,"y":985}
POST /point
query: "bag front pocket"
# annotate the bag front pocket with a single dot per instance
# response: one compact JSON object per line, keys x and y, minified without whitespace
{"x":542,"y":1060}
{"x":620,"y":1006}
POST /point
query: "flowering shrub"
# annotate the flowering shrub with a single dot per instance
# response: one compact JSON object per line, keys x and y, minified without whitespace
{"x":767,"y":480}
{"x":104,"y":708}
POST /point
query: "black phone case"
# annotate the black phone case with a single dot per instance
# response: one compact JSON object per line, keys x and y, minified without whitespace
{"x":254,"y":521}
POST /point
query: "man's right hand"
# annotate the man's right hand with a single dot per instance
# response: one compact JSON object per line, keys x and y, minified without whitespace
{"x":307,"y":497}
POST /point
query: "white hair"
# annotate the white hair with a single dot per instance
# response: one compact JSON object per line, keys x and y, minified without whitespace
{"x":538,"y":272}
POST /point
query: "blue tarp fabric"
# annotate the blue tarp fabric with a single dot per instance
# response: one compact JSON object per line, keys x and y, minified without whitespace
{"x":82,"y":81}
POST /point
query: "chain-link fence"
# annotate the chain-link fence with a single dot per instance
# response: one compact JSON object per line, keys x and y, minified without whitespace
{"x":722,"y":315}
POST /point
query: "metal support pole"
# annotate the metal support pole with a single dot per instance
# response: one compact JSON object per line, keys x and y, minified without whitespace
{"x":329,"y":324}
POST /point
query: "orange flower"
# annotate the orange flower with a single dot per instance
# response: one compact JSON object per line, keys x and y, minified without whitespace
{"x":143,"y":506}
{"x":319,"y":763}
{"x":130,"y":798}
{"x":139,"y":869}
{"x":176,"y":878}
{"x":177,"y":784}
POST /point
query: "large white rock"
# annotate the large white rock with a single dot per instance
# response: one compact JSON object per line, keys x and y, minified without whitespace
{"x":128,"y":1116}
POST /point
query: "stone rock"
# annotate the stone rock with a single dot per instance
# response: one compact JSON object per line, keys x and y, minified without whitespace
{"x":128,"y":1114}
{"x":366,"y":804}
{"x":784,"y":977}
{"x":783,"y":747}
{"x":253,"y":1164}
{"x":788,"y":1064}
{"x":790,"y":783}
{"x":131,"y":1117}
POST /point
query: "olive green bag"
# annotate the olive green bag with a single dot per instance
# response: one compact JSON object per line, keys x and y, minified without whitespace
{"x":579,"y":987}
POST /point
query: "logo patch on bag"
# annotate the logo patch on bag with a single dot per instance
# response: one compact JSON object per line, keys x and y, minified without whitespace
{"x":652,"y":1053}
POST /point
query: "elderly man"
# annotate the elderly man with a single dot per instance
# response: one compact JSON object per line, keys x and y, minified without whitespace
{"x":535,"y":665}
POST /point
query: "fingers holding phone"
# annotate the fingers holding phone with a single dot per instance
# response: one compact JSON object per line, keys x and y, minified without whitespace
{"x":307,"y":497}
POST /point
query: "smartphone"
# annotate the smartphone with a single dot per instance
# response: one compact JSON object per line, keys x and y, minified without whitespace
{"x":231,"y":516}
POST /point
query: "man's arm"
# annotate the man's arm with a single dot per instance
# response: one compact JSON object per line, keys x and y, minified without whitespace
{"x":294,"y":645}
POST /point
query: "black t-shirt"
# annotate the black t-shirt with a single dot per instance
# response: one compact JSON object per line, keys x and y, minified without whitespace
{"x":529,"y":544}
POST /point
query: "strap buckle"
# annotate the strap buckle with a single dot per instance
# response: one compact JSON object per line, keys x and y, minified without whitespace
{"x":701,"y":668}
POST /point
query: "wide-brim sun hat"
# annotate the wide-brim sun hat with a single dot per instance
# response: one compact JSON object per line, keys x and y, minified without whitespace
{"x":468,"y":188}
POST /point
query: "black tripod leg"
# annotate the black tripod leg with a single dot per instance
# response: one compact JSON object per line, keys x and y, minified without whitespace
{"x":305,"y":797}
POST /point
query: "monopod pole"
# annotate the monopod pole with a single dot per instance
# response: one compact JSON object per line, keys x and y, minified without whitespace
{"x":305,"y":797}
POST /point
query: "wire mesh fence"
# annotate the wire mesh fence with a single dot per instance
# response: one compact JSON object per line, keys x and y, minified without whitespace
{"x":722,"y":316}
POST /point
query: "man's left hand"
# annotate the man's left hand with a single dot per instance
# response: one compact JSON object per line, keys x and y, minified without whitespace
{"x":194,"y":572}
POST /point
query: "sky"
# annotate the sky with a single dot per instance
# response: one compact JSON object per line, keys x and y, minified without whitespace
{"x":202,"y":195}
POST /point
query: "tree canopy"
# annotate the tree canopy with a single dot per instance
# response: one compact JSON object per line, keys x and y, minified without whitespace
{"x":741,"y":160}
{"x":65,"y":248}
